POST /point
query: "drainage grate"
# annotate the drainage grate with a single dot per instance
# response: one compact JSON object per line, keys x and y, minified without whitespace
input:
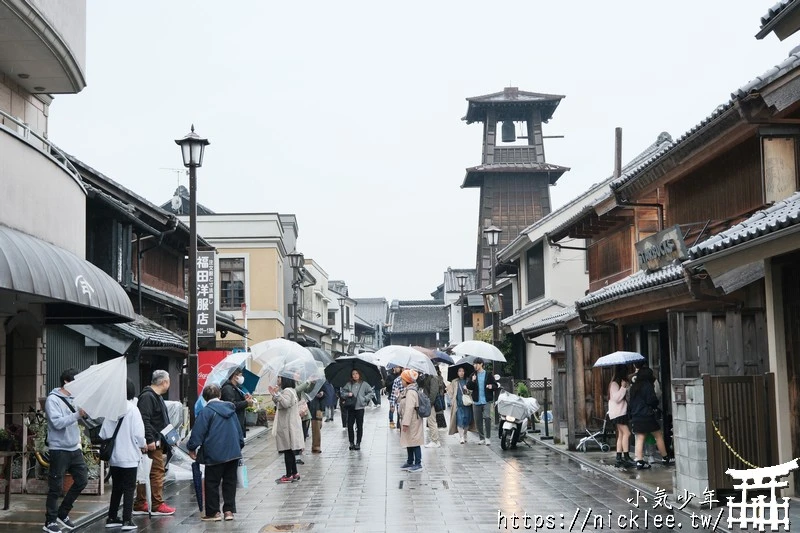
{"x":444,"y":483}
{"x":286,"y":527}
{"x":401,"y":485}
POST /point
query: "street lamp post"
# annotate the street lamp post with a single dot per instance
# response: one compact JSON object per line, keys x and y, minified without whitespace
{"x":462,"y":282}
{"x":296,"y":261}
{"x":342,"y":301}
{"x":192,"y":149}
{"x":492,"y":238}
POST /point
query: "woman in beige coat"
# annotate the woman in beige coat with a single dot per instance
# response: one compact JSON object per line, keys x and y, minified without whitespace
{"x":412,"y":427}
{"x":287,"y":427}
{"x":461,"y":420}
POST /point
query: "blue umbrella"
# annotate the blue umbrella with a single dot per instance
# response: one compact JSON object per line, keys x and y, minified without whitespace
{"x":441,"y":357}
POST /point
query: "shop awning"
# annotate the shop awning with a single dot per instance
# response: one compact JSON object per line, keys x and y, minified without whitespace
{"x":73,"y":290}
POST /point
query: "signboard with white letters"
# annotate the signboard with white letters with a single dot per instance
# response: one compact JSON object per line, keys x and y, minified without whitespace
{"x":659,"y":250}
{"x":206,"y":306}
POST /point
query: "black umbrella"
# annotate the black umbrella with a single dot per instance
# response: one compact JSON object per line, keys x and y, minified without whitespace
{"x":338,"y":373}
{"x":452,"y":371}
{"x":197,"y":479}
{"x":321,"y":355}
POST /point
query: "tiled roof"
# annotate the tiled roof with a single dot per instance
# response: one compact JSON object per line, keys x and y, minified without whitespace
{"x":152,"y":334}
{"x":338,"y":286}
{"x":601,"y":191}
{"x":783,"y":214}
{"x":773,"y":16}
{"x":633,"y":284}
{"x":553,"y":322}
{"x":373,"y":310}
{"x":474,"y":175}
{"x":179,"y":204}
{"x":419,"y":319}
{"x":451,"y":280}
{"x":513,"y":102}
{"x":532,"y":309}
{"x":787,"y":65}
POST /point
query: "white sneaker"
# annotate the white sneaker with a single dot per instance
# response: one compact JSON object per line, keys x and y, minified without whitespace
{"x":481,"y":441}
{"x":462,"y":440}
{"x":487,"y":442}
{"x":433,"y":444}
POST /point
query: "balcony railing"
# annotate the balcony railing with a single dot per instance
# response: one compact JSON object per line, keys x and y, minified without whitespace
{"x":24,"y":132}
{"x":515,"y":154}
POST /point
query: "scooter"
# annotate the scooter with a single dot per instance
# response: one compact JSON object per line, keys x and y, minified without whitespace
{"x":514,"y":412}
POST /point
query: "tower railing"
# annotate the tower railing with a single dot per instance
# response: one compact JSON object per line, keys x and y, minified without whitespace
{"x":515,"y":154}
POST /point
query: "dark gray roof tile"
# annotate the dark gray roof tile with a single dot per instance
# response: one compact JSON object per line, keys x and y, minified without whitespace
{"x":633,"y":284}
{"x":419,"y":318}
{"x":781,"y":215}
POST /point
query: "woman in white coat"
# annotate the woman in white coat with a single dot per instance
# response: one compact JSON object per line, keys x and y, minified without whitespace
{"x":128,"y":448}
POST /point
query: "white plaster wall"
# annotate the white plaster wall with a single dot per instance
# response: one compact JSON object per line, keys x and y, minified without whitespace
{"x":68,"y":21}
{"x":538,"y":361}
{"x":39,"y":197}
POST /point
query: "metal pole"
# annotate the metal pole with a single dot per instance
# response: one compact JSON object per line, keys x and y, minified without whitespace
{"x":495,"y":324}
{"x":546,"y":405}
{"x":462,"y":313}
{"x":342,"y":310}
{"x":192,"y":362}
{"x":294,"y":304}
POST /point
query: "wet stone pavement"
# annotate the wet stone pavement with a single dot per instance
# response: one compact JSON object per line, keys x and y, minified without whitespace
{"x":462,"y":488}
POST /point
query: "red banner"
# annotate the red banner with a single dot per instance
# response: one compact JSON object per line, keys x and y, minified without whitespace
{"x":206,"y":361}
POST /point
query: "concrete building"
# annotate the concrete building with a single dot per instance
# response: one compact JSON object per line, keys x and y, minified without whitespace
{"x":44,"y":276}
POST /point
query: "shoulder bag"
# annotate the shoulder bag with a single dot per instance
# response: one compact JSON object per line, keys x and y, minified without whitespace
{"x":107,"y":445}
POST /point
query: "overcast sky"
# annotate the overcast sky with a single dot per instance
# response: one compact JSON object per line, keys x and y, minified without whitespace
{"x":349,"y":114}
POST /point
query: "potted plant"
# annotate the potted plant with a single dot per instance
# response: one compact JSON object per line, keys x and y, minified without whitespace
{"x":7,"y":441}
{"x":251,"y":415}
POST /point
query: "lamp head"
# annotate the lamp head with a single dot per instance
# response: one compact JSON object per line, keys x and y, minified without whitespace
{"x":296,"y":259}
{"x":492,"y":235}
{"x":192,"y":149}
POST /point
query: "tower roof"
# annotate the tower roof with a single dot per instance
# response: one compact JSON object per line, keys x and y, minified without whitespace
{"x":511,"y":104}
{"x":475,"y":175}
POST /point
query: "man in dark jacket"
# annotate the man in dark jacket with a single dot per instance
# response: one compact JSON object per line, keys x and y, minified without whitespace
{"x":430,"y":386}
{"x":155,"y":418}
{"x":232,"y":393}
{"x":219,"y":433}
{"x":483,"y":387}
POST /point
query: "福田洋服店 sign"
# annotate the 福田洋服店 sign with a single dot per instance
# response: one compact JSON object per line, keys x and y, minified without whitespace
{"x":659,"y":250}
{"x":205,"y":314}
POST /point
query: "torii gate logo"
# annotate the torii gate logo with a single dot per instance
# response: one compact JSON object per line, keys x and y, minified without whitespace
{"x":83,"y":286}
{"x":759,"y":512}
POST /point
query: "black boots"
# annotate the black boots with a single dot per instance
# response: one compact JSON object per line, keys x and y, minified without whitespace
{"x":641,"y":465}
{"x":624,"y":460}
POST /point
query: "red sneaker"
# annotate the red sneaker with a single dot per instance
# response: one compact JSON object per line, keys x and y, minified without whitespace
{"x":163,"y":510}
{"x":285,"y":479}
{"x":296,"y":477}
{"x":141,"y":509}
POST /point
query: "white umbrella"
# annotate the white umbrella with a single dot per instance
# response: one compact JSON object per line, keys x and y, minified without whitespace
{"x":100,"y":390}
{"x":619,"y":358}
{"x":484,"y":350}
{"x":405,"y":356}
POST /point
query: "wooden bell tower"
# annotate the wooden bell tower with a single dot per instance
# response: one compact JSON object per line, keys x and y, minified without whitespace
{"x":514,"y":180}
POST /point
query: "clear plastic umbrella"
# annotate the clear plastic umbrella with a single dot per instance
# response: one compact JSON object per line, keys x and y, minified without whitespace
{"x":280,"y":357}
{"x":100,"y":389}
{"x":484,"y":350}
{"x":405,"y":356}
{"x":223,"y":370}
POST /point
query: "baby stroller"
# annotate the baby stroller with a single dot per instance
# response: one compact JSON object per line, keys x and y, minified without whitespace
{"x":592,"y":438}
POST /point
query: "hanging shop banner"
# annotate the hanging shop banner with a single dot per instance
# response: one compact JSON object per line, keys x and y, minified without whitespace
{"x":659,"y":250}
{"x":206,"y":305}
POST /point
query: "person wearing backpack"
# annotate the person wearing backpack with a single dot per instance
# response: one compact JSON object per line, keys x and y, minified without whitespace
{"x":430,"y":386}
{"x":129,"y":443}
{"x":412,"y":430}
{"x":482,"y":386}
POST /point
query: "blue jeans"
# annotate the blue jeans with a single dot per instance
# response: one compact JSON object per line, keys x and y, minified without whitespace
{"x":377,"y":399}
{"x":414,"y":455}
{"x":62,"y":461}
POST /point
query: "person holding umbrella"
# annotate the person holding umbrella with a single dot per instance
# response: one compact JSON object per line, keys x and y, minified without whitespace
{"x":287,"y":427}
{"x":218,"y":432}
{"x":232,"y":393}
{"x":618,"y":414}
{"x":356,"y":395}
{"x":129,"y":444}
{"x":461,"y":420}
{"x":483,"y":386}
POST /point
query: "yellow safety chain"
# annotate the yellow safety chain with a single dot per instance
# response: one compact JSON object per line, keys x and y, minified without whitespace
{"x":725,"y":442}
